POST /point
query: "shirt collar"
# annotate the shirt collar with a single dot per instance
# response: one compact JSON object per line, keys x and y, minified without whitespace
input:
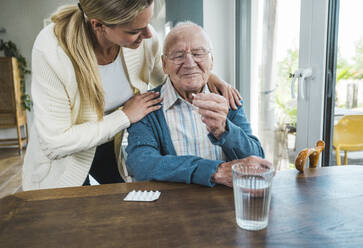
{"x":171,"y":96}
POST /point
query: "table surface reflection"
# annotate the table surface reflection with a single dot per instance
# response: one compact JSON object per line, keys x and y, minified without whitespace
{"x":320,"y":208}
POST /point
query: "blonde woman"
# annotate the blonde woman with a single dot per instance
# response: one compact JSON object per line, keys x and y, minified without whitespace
{"x":91,"y":68}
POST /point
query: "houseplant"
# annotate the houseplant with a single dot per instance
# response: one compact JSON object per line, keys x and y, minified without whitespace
{"x":10,"y":50}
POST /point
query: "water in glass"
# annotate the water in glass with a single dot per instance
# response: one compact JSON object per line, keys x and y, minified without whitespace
{"x":252,"y":196}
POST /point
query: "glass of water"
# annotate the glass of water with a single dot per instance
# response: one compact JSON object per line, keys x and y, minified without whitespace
{"x":252,"y":195}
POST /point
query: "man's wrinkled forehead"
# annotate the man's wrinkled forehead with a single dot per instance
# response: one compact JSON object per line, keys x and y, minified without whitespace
{"x":188,"y":37}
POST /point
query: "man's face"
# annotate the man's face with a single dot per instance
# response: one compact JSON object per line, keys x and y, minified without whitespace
{"x":188,"y":61}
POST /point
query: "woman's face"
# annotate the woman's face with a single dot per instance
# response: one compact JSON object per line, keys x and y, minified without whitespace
{"x":130,"y":35}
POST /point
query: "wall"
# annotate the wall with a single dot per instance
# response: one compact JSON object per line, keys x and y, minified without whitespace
{"x":158,"y":19}
{"x":183,"y":10}
{"x":219,"y":22}
{"x":23,"y":20}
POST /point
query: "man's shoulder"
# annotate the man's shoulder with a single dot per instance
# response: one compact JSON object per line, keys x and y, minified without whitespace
{"x":153,"y":118}
{"x":157,"y":89}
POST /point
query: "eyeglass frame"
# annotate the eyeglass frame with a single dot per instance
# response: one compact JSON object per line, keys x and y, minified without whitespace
{"x":208,"y":51}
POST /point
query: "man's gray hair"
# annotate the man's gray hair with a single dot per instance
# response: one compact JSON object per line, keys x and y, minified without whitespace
{"x":180,"y":25}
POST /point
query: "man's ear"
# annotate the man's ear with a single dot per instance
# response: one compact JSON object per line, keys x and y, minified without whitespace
{"x":163,"y":60}
{"x":97,"y":25}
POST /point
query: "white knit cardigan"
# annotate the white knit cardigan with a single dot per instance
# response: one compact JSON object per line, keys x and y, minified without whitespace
{"x":65,"y":131}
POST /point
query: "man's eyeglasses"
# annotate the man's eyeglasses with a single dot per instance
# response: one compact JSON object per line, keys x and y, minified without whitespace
{"x":179,"y":57}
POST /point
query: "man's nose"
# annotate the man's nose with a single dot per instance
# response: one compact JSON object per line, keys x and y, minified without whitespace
{"x":189,"y":60}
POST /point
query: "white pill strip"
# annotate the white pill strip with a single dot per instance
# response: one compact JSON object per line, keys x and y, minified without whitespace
{"x":142,"y":196}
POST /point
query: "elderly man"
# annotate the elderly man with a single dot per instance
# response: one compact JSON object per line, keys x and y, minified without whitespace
{"x":194,"y":137}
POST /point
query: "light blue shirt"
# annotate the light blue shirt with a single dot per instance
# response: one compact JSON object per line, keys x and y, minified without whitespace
{"x":188,"y":133}
{"x":151,"y":154}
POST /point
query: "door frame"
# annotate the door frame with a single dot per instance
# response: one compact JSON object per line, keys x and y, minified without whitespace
{"x":330,"y":80}
{"x":312,"y":54}
{"x":317,"y":50}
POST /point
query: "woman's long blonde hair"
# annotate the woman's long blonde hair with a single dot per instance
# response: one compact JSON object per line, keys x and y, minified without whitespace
{"x":74,"y":33}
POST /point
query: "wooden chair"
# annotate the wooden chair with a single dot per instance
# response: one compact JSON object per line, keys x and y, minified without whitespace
{"x":12,"y":114}
{"x":311,"y":153}
{"x":348,"y":136}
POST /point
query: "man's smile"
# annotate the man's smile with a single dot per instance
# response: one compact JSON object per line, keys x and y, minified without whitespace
{"x":189,"y":74}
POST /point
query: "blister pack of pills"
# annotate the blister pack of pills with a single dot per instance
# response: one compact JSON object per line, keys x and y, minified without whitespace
{"x":142,"y":196}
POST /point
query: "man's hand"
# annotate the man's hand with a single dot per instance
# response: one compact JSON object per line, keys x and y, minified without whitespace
{"x":224,"y":171}
{"x":217,"y":85}
{"x":213,"y":109}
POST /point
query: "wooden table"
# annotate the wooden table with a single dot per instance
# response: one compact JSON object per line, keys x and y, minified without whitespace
{"x":321,"y":208}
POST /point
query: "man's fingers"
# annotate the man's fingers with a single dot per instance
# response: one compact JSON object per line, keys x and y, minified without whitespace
{"x":256,"y":161}
{"x":211,"y":102}
{"x":259,"y":160}
{"x":209,"y":97}
{"x":210,"y":123}
{"x":210,"y":105}
{"x":266,"y":163}
{"x":205,"y":113}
